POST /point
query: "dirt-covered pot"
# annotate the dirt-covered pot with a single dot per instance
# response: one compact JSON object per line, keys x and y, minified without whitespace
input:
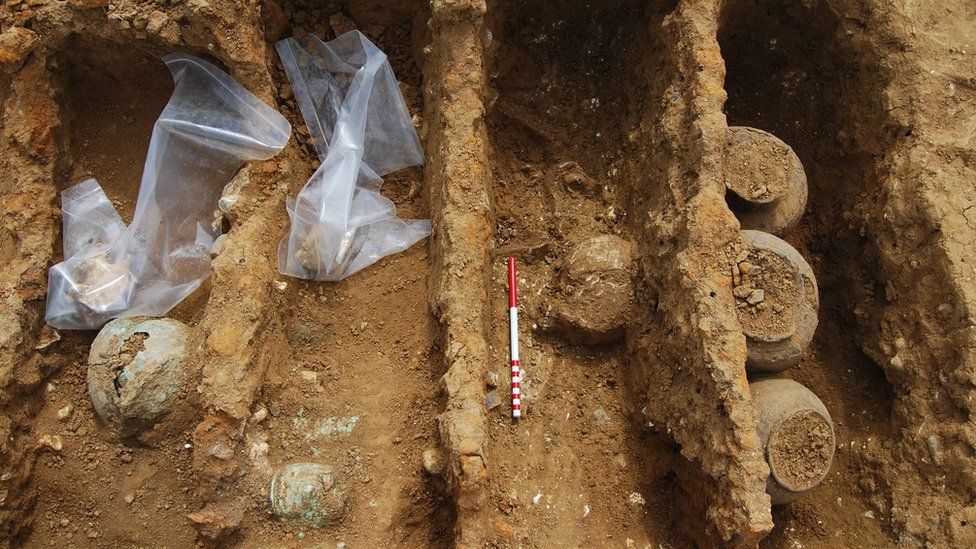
{"x":767,"y":184}
{"x":796,"y":434}
{"x":778,"y":301}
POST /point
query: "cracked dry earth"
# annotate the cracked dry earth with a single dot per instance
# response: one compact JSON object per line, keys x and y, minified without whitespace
{"x":597,"y":143}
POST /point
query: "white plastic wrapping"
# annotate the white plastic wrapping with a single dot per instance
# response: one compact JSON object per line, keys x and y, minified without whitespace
{"x":359,"y":123}
{"x":209,"y":128}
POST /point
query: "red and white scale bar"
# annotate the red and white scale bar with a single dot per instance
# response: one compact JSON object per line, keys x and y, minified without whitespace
{"x":513,"y":327}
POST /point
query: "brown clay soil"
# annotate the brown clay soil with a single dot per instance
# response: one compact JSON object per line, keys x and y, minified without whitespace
{"x":772,"y":314}
{"x":544,"y":125}
{"x":801,"y":470}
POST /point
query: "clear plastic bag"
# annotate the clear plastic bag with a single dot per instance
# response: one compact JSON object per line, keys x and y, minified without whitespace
{"x":209,"y":128}
{"x":359,"y":123}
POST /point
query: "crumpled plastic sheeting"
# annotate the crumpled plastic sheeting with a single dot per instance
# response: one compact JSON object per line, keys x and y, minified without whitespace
{"x":359,"y":123}
{"x":209,"y":128}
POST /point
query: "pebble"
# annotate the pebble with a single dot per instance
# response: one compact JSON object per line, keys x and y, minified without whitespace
{"x":65,"y":412}
{"x":260,"y":415}
{"x":756,"y":297}
{"x":933,"y":443}
{"x":51,"y":441}
{"x":218,"y":246}
{"x":742,"y":292}
{"x":433,"y":460}
{"x":491,"y":379}
{"x":129,"y":498}
{"x":491,"y":400}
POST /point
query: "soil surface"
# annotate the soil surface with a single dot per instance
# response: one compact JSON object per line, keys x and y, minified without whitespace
{"x":800,"y":450}
{"x":608,"y":147}
{"x":768,"y":295}
{"x":761,"y":168}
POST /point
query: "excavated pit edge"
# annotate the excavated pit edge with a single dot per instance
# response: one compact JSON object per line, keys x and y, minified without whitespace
{"x":687,"y":348}
{"x":457,"y":180}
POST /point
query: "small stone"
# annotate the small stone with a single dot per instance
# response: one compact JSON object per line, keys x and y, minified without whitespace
{"x":51,"y":442}
{"x":129,"y":498}
{"x":48,"y":337}
{"x":65,"y":412}
{"x":309,"y":376}
{"x":756,"y":297}
{"x":601,"y":416}
{"x":745,"y":267}
{"x":15,"y":44}
{"x":891,"y":293}
{"x":932,"y":442}
{"x":92,"y":533}
{"x":491,"y":379}
{"x":281,"y":285}
{"x":216,"y":521}
{"x":491,"y":400}
{"x":260,"y":415}
{"x":742,"y":292}
{"x":433,"y":459}
{"x":218,"y":246}
{"x":157,"y":20}
{"x":227,"y":202}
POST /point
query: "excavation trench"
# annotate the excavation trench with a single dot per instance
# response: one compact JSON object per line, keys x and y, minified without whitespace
{"x":96,"y":487}
{"x":574,"y":469}
{"x":544,"y":126}
{"x":356,"y":386}
{"x":786,"y":71}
